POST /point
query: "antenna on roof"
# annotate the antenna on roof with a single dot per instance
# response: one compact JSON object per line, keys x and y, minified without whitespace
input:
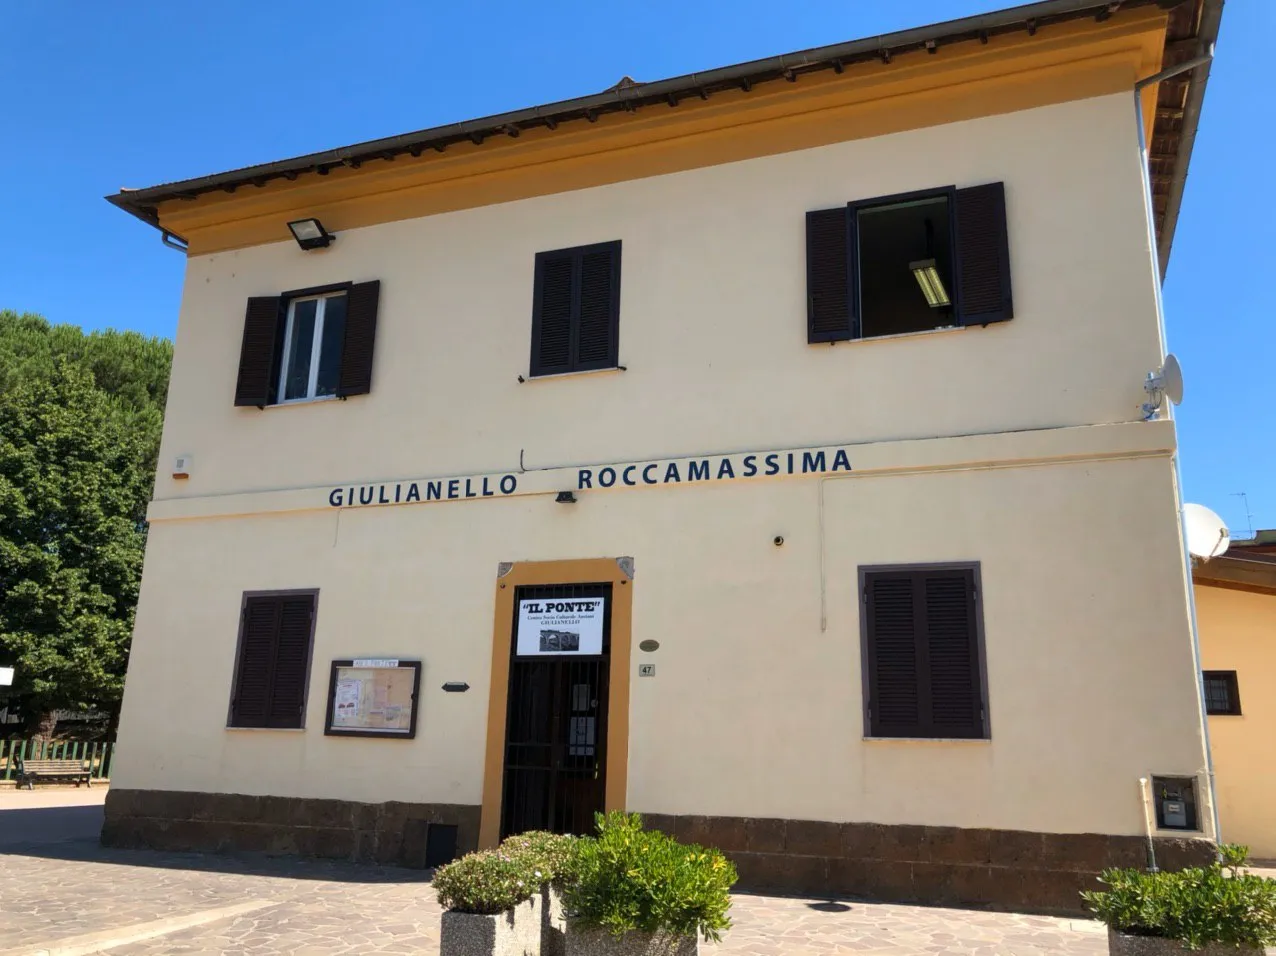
{"x":1207,"y":536}
{"x":1249,"y":518}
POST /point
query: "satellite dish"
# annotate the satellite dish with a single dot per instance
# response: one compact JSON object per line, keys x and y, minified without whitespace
{"x":1165,"y":382}
{"x":1207,"y":536}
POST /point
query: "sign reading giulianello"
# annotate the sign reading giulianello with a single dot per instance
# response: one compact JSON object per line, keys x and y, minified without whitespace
{"x":711,"y":469}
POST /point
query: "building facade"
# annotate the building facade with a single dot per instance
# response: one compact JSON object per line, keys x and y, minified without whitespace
{"x":761,"y":451}
{"x":1236,"y":614}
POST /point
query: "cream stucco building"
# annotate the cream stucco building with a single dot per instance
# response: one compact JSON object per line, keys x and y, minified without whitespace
{"x":761,"y":450}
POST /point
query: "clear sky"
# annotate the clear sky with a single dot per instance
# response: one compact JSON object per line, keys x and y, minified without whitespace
{"x":94,"y":96}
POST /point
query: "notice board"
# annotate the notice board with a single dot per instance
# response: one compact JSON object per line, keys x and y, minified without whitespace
{"x":373,"y":697}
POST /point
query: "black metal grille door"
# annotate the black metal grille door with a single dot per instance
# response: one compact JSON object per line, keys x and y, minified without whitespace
{"x":556,"y":728}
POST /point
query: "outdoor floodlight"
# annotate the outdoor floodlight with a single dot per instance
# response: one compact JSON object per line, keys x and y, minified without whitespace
{"x":310,"y":233}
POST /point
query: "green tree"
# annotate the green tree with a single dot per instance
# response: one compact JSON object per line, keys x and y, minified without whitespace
{"x":80,"y":419}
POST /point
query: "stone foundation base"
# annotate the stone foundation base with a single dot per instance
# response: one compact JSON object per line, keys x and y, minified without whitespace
{"x":392,"y":832}
{"x":947,"y":866}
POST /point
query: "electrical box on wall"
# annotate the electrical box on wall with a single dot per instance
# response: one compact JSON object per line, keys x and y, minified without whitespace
{"x":1175,"y":799}
{"x":182,"y":466}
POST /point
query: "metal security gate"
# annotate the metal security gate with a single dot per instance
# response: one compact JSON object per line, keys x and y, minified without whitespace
{"x":556,"y":729}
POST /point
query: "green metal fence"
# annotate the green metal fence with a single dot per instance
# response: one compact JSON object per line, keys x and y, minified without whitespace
{"x":97,"y":753}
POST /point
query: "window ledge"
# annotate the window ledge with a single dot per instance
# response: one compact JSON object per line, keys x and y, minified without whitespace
{"x":272,"y":730}
{"x":587,"y":371}
{"x":927,"y":740}
{"x":304,"y":401}
{"x":895,"y":335}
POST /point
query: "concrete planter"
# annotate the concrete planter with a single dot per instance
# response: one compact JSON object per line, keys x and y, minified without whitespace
{"x":1119,"y":944}
{"x":515,"y":932}
{"x":553,"y":922}
{"x":582,"y":941}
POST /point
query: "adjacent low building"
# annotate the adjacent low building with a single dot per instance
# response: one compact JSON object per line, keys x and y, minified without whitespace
{"x":1236,"y":614}
{"x":762,"y":450}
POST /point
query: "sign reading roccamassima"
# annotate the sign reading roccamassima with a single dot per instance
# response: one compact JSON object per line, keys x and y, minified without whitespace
{"x":560,"y":626}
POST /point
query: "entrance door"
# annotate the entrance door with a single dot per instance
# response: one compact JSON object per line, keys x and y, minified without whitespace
{"x":556,"y":724}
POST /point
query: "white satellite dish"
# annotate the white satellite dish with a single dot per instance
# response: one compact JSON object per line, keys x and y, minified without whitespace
{"x":1165,"y":382}
{"x":1207,"y":536}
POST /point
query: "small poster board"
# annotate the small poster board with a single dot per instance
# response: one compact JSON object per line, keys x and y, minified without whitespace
{"x":373,"y":697}
{"x":560,"y":626}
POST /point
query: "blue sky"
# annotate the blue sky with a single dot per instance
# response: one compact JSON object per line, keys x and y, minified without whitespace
{"x":94,"y":96}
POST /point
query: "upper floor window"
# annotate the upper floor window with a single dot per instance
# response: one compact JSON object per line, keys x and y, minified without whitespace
{"x":909,"y":263}
{"x":314,"y":334}
{"x":308,"y":344}
{"x":1222,"y":694}
{"x":576,"y":310}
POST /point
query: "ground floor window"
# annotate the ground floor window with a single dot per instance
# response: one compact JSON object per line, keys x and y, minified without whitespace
{"x":272,"y":663}
{"x":923,"y":652}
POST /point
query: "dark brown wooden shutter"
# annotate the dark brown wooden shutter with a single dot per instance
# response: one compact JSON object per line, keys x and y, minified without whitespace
{"x":599,"y":310}
{"x":894,"y":701}
{"x":576,"y":309}
{"x":359,"y":343}
{"x":274,"y":660}
{"x":258,"y":364}
{"x":829,"y":311}
{"x":983,"y":254}
{"x":951,"y":645}
{"x":552,"y":313}
{"x":922,"y":650}
{"x":292,"y":662}
{"x":251,"y":702}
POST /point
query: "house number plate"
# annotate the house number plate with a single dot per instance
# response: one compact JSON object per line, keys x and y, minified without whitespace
{"x":646,"y":670}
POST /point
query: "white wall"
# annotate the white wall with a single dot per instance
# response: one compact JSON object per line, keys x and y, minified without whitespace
{"x":754,"y":711}
{"x":713,"y":318}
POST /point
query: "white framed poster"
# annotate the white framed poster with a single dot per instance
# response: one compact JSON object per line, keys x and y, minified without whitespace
{"x":560,"y":626}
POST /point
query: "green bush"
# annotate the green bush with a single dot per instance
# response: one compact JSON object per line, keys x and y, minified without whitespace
{"x":550,"y":853}
{"x":1198,"y":906}
{"x":629,"y":878}
{"x":489,"y":881}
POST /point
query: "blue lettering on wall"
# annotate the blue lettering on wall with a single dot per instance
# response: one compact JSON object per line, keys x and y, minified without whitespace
{"x":627,"y":476}
{"x":646,"y":469}
{"x":750,"y":468}
{"x":841,"y":461}
{"x":334,"y":497}
{"x":607,"y":477}
{"x":698,"y":470}
{"x":433,"y":490}
{"x":414,"y":493}
{"x":453,"y":488}
{"x":398,"y":490}
{"x":584,"y":479}
{"x":812,"y":463}
{"x":469,"y":492}
{"x":487,"y":492}
{"x":367,"y":500}
{"x":381,"y":498}
{"x":725,"y":470}
{"x":512,"y":484}
{"x":671,"y":473}
{"x":772,"y":464}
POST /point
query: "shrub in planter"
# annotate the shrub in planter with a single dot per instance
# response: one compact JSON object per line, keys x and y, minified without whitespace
{"x":494,"y":904}
{"x":1217,"y":908}
{"x":553,"y":855}
{"x":632,"y":890}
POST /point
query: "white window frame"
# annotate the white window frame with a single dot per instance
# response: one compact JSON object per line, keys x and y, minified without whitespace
{"x":316,"y":347}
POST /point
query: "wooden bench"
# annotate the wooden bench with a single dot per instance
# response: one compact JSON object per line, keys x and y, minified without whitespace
{"x":77,"y":770}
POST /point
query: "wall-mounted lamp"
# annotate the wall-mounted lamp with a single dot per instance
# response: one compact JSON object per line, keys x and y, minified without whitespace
{"x":927,"y":277}
{"x":310,"y":233}
{"x":566,"y":498}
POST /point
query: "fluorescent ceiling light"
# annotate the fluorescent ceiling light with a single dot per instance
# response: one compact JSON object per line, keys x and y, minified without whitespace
{"x":932,"y":285}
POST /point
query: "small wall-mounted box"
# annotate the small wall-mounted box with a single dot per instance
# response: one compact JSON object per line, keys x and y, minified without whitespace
{"x":182,"y":466}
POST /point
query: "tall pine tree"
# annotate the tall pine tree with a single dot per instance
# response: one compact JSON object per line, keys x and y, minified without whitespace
{"x":80,"y":419}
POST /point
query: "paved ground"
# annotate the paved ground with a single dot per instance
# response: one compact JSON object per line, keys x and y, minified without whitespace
{"x":61,"y":893}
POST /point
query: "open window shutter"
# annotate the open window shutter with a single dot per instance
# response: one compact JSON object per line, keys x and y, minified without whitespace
{"x":360,"y":338}
{"x":895,"y":705}
{"x":255,"y":385}
{"x":260,"y":628}
{"x":952,"y":654}
{"x":829,"y":312}
{"x":552,"y":313}
{"x":983,"y":252}
{"x":597,"y":337}
{"x":292,"y":661}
